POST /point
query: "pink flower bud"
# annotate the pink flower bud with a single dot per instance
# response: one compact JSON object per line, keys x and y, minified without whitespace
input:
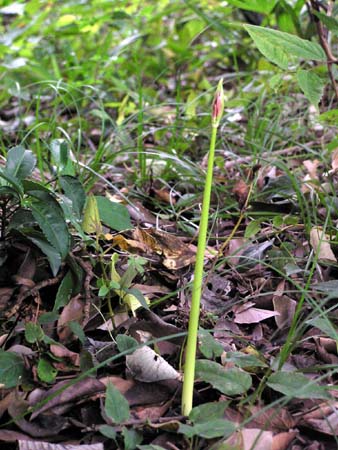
{"x":218,"y":104}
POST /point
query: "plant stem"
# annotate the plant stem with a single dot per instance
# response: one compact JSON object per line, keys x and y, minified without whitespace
{"x":189,"y":368}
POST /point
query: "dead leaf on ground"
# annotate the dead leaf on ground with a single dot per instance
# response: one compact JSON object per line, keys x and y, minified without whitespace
{"x":176,"y":253}
{"x":286,"y":308}
{"x":320,"y":243}
{"x":73,"y":311}
{"x":249,"y":314}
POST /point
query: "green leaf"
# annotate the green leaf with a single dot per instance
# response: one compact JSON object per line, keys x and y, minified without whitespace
{"x":48,"y":213}
{"x":77,"y":330}
{"x":243,"y":360}
{"x":53,"y":256}
{"x":253,"y":228}
{"x":325,"y":325}
{"x":11,"y":369}
{"x":61,"y":156}
{"x":20,"y":162}
{"x":150,"y":447}
{"x":296,"y":385}
{"x":125,"y":342}
{"x":33,"y":332}
{"x":330,"y":22}
{"x":114,"y":215}
{"x":209,"y":429}
{"x":108,"y":431}
{"x":116,"y":405}
{"x":131,"y":438}
{"x":209,"y":346}
{"x":64,"y":292}
{"x":73,"y":189}
{"x":259,"y":6}
{"x":312,"y":85}
{"x":229,"y":382}
{"x":46,"y":372}
{"x":13,"y":181}
{"x":208,"y":411}
{"x":139,"y":296}
{"x":280,"y":48}
{"x":91,"y":222}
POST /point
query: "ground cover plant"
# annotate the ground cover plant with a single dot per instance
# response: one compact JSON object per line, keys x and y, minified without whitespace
{"x":115,"y":117}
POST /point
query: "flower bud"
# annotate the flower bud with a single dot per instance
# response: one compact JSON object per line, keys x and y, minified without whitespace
{"x":218,"y":104}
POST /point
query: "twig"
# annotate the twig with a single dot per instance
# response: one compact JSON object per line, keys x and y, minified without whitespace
{"x":330,"y":58}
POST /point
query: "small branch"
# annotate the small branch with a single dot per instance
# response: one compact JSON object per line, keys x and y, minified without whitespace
{"x":322,"y":35}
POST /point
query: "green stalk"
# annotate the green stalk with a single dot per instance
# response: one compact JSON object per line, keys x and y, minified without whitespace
{"x":190,"y":358}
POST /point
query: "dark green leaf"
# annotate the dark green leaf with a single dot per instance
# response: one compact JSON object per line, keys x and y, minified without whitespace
{"x":296,"y":385}
{"x":330,"y":22}
{"x":209,"y":346}
{"x":209,"y":430}
{"x":208,"y":411}
{"x":48,"y":214}
{"x":53,"y":256}
{"x":244,"y":361}
{"x":64,"y":292}
{"x":73,"y":189}
{"x":13,"y":181}
{"x":116,"y":405}
{"x":229,"y":382}
{"x":20,"y":162}
{"x":114,"y":215}
{"x":325,"y":325}
{"x":11,"y":369}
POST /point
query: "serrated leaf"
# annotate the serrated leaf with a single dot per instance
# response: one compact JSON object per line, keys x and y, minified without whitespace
{"x":20,"y":162}
{"x":116,"y":405}
{"x":33,"y":332}
{"x":311,"y":85}
{"x":48,"y":213}
{"x":11,"y":369}
{"x":73,"y":189}
{"x":296,"y":385}
{"x":229,"y":382}
{"x":64,"y":291}
{"x":46,"y":372}
{"x":280,"y":48}
{"x":114,"y":215}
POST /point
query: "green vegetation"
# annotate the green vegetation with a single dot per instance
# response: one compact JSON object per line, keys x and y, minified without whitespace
{"x":131,"y":203}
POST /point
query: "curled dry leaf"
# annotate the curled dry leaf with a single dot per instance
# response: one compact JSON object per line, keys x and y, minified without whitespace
{"x":147,"y":366}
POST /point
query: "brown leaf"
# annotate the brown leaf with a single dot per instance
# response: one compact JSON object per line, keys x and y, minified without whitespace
{"x":281,"y":441}
{"x":70,"y":394}
{"x":251,"y":314}
{"x":285,"y":307}
{"x":73,"y":311}
{"x":241,"y":191}
{"x":61,"y":351}
{"x":320,"y":243}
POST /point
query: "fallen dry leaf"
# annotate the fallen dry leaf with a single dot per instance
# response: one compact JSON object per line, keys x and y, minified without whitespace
{"x":73,"y":311}
{"x":320,"y":243}
{"x":249,"y":314}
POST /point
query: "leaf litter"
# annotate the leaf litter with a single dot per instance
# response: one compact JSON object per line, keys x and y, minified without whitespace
{"x":99,"y":366}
